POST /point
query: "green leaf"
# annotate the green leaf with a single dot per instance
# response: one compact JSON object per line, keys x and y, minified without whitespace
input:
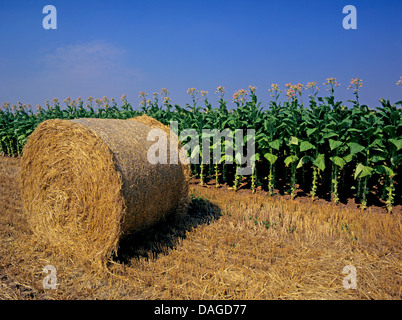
{"x":227,"y":158}
{"x":305,"y":145}
{"x":302,"y":161}
{"x":276,"y":144}
{"x":384,"y":170}
{"x":294,"y":141}
{"x":396,"y":160}
{"x":329,"y":135}
{"x":311,"y":131}
{"x":333,"y":144}
{"x":363,"y":171}
{"x":319,"y":162}
{"x":359,"y":169}
{"x":270,"y":157}
{"x":238,"y":158}
{"x":377,"y":158}
{"x":397,"y":143}
{"x":255,"y":157}
{"x":290,"y":160}
{"x":21,"y":137}
{"x":355,"y":147}
{"x":338,"y":161}
{"x":348,"y":158}
{"x":390,"y":129}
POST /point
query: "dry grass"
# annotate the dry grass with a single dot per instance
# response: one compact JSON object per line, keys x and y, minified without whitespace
{"x":229,"y":246}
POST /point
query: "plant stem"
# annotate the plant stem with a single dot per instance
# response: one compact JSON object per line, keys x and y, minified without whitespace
{"x":253,"y":179}
{"x":390,"y":199}
{"x":293,"y":181}
{"x":201,"y":174}
{"x":216,"y":175}
{"x":313,"y":185}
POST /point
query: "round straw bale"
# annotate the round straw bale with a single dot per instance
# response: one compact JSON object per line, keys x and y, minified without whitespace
{"x":151,"y":122}
{"x":85,"y":183}
{"x":155,"y":124}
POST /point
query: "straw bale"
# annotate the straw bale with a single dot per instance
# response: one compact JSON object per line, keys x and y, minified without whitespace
{"x":86,"y":183}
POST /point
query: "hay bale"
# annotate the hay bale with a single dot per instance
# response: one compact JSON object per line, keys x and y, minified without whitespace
{"x":86,"y":183}
{"x":151,"y":122}
{"x":155,"y":124}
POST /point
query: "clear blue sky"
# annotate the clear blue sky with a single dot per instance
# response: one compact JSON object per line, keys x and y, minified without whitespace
{"x":110,"y":48}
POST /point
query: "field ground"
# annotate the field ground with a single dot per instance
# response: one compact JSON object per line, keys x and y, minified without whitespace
{"x":230,"y":246}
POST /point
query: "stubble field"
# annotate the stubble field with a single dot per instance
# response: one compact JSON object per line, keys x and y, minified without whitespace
{"x":229,"y":246}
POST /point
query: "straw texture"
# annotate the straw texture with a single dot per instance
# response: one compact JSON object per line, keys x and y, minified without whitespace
{"x":86,"y":183}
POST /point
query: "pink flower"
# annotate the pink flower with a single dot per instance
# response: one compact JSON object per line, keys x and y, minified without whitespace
{"x":291,"y":93}
{"x":252,"y":89}
{"x":192,"y":91}
{"x":274,"y":87}
{"x":331,"y":84}
{"x":240,"y":96}
{"x":311,"y":84}
{"x":313,"y":87}
{"x":220,"y":89}
{"x":356,"y":84}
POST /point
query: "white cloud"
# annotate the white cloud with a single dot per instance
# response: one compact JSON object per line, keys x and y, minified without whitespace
{"x":87,"y":61}
{"x":95,"y":68}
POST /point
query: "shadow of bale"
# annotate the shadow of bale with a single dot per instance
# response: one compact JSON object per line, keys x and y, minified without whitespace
{"x":164,"y":235}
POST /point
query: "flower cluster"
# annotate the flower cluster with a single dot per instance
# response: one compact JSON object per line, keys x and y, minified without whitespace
{"x":331,"y":83}
{"x":290,"y":92}
{"x":252,"y":89}
{"x":192,"y":91}
{"x":143,"y":97}
{"x":399,"y":83}
{"x":293,"y":90}
{"x":313,"y":87}
{"x":5,"y":106}
{"x":67,"y":100}
{"x":356,"y":84}
{"x":221,"y":92}
{"x":123,"y":99}
{"x":275,"y":91}
{"x":274,"y":87}
{"x":240,"y":96}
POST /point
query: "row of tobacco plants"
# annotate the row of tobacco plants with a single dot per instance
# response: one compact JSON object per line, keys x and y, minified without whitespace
{"x":321,"y":148}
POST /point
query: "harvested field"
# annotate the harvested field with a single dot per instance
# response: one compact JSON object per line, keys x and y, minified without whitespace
{"x":230,"y":246}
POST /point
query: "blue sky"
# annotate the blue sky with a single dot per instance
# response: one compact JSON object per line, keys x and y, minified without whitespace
{"x":109,"y":48}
